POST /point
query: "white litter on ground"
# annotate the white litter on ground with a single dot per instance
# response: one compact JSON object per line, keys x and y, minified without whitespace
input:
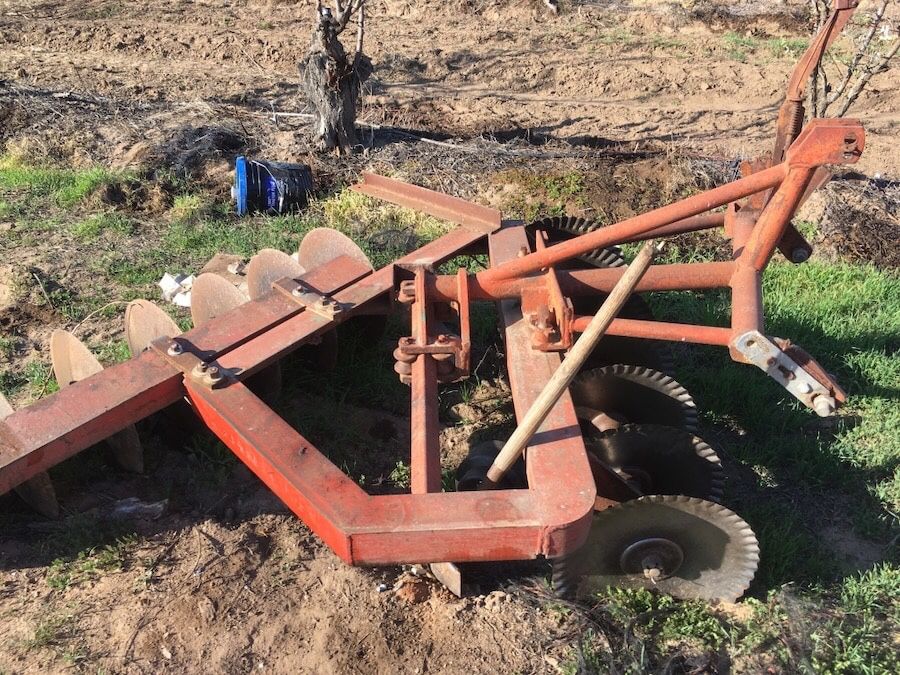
{"x":177,"y":289}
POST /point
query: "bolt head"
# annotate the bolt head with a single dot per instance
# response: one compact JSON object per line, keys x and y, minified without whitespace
{"x":443,"y":339}
{"x":174,"y":349}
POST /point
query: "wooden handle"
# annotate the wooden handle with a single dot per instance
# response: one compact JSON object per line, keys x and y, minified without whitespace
{"x":570,"y":365}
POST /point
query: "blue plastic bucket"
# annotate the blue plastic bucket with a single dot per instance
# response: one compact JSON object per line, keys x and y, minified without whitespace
{"x":270,"y":187}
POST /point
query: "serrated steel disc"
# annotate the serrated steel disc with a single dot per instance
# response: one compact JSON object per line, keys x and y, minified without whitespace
{"x":146,"y":322}
{"x":719,"y":552}
{"x":213,"y":296}
{"x":561,"y":228}
{"x":614,"y":349}
{"x":72,"y":362}
{"x":37,"y":491}
{"x":267,"y":267}
{"x":634,"y":394}
{"x":323,"y":244}
{"x":661,"y":460}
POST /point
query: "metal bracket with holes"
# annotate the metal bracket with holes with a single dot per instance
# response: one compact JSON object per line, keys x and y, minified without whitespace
{"x":323,"y":305}
{"x":178,"y":352}
{"x":766,"y":355}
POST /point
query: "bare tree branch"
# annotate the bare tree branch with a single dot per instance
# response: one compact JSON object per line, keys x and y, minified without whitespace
{"x":360,"y":31}
{"x":866,"y":76}
{"x":860,"y":52}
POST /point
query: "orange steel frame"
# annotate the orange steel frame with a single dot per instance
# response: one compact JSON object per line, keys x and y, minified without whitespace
{"x":552,"y":516}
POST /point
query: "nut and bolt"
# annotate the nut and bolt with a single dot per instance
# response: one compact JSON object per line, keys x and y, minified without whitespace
{"x":823,"y":405}
{"x":442,"y":339}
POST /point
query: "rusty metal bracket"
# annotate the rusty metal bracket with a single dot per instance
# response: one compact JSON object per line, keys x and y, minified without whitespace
{"x":181,"y":354}
{"x":303,"y":294}
{"x":766,"y":355}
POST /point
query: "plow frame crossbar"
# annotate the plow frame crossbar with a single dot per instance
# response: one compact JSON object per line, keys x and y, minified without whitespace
{"x":552,"y":516}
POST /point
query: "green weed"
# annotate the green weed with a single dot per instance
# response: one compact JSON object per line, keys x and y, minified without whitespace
{"x":89,"y":564}
{"x":400,"y":475}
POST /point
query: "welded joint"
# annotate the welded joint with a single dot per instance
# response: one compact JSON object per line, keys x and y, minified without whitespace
{"x":179,"y":353}
{"x":766,"y":355}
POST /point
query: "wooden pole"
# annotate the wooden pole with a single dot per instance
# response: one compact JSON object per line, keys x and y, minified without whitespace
{"x":570,"y":365}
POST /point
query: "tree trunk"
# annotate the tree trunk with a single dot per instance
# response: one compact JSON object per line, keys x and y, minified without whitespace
{"x":332,"y":83}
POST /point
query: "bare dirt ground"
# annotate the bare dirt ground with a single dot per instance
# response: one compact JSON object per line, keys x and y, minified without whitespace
{"x":226,"y":580}
{"x":701,"y":76}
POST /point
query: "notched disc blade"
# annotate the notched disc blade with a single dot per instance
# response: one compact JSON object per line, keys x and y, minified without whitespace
{"x":212,"y":296}
{"x":267,"y":267}
{"x":73,"y":361}
{"x":661,"y":460}
{"x":322,"y":245}
{"x":146,"y":322}
{"x":37,"y":491}
{"x":710,"y":552}
{"x":635,"y":394}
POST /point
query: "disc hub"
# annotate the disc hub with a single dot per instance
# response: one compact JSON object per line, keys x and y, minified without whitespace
{"x":656,"y":558}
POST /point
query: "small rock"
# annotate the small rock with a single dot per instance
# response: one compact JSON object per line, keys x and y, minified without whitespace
{"x":165,"y":652}
{"x":206,"y":608}
{"x":382,"y":587}
{"x":414,"y":592}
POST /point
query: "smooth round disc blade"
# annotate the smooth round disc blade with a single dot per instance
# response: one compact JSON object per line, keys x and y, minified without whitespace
{"x":38,"y":490}
{"x":322,"y":245}
{"x":72,"y":360}
{"x":635,"y":394}
{"x":661,"y":460}
{"x":212,"y":296}
{"x":718,"y":550}
{"x":146,"y":322}
{"x":267,"y":267}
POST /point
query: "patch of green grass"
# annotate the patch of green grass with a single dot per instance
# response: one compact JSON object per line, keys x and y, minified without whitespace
{"x":859,"y":635}
{"x":737,"y":46}
{"x":789,"y":48}
{"x":96,"y":224}
{"x":846,"y":316}
{"x":530,"y":195}
{"x":64,"y":187}
{"x":659,"y":628}
{"x":616,"y":36}
{"x":191,"y":207}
